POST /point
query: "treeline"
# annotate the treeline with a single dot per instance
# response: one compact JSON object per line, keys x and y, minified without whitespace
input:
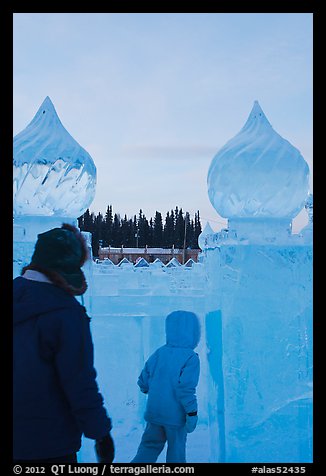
{"x":178,"y":229}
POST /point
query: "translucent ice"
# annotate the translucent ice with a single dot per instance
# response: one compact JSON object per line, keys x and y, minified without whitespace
{"x":309,"y":206}
{"x":173,"y":263}
{"x":307,"y":231}
{"x":53,"y":174}
{"x":189,"y":263}
{"x":205,"y":237}
{"x":260,"y":333}
{"x":141,"y":263}
{"x":128,"y":324}
{"x":258,"y":173}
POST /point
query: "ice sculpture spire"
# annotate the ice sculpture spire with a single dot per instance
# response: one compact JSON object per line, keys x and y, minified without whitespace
{"x":258,"y":174}
{"x":53,"y":174}
{"x":205,"y":237}
{"x":256,"y":118}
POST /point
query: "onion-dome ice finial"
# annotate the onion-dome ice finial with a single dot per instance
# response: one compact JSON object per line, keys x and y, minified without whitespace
{"x":205,"y":237}
{"x":53,"y":174}
{"x":258,"y":174}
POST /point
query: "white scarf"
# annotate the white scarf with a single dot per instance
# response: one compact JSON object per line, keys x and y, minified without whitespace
{"x":34,"y":275}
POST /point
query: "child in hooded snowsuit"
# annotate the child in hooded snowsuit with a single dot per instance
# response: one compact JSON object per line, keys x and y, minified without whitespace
{"x":170,"y":377}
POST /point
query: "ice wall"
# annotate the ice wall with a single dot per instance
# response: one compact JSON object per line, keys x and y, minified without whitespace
{"x":260,"y":330}
{"x":128,"y":316}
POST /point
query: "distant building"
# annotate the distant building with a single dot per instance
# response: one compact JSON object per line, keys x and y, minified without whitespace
{"x":149,"y":254}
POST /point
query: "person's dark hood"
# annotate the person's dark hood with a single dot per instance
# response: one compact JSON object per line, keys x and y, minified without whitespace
{"x":33,"y":298}
{"x":59,"y":254}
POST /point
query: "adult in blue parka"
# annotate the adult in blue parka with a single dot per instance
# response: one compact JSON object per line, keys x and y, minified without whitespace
{"x":55,"y":394}
{"x":170,"y":377}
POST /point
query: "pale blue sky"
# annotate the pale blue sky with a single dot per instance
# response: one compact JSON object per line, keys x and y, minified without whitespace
{"x":152,"y":97}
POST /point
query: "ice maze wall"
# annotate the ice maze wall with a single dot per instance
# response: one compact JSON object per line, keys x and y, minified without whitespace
{"x":260,"y":329}
{"x":255,"y":307}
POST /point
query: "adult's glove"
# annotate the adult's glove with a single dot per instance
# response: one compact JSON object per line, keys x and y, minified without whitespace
{"x":191,"y":421}
{"x":104,"y":448}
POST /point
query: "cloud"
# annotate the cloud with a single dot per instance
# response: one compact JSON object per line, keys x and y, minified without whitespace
{"x":191,"y":151}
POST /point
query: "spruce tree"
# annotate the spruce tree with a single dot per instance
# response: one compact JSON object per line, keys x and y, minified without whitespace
{"x":107,"y":234}
{"x":158,"y":230}
{"x":188,"y":230}
{"x":116,"y":231}
{"x":191,"y":234}
{"x":179,"y":228}
{"x":168,"y":233}
{"x":198,"y":229}
{"x":143,"y":228}
{"x":135,"y":232}
{"x":127,"y":238}
{"x":150,"y":241}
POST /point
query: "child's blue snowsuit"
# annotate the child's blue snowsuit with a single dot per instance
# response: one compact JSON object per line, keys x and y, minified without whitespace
{"x":170,"y":377}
